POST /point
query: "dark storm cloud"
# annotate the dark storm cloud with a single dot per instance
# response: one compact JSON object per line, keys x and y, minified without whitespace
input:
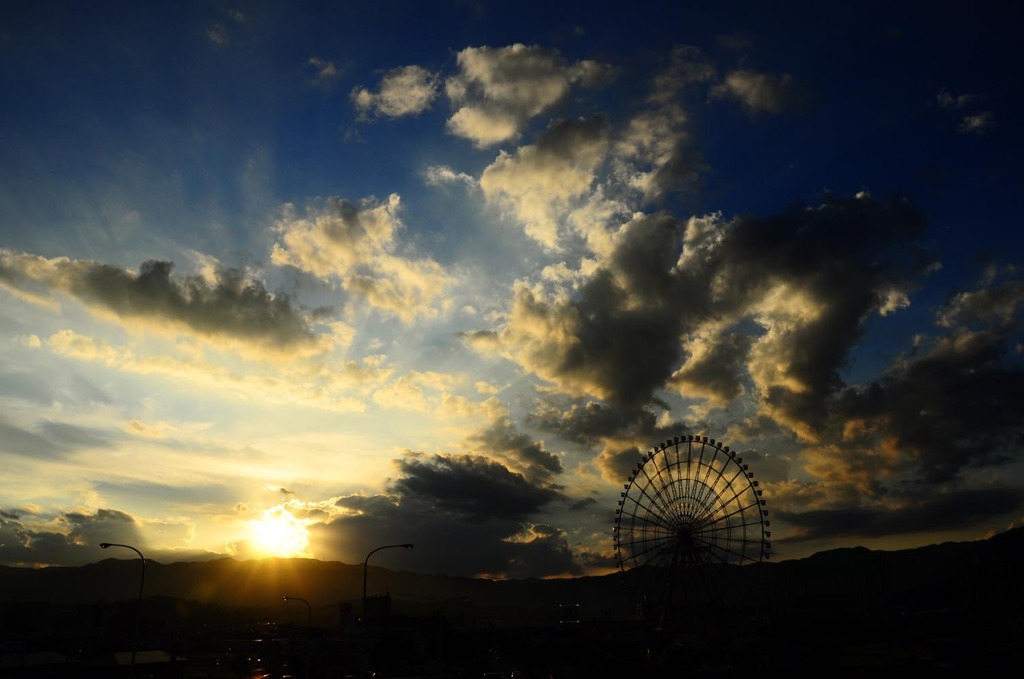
{"x":617,"y":464}
{"x":955,"y":406}
{"x":590,"y":421}
{"x":791,"y":290}
{"x":472,"y":487}
{"x":504,"y":440}
{"x":76,"y":544}
{"x":718,"y":374}
{"x":230,"y":306}
{"x":996,"y":306}
{"x":466,"y":515}
{"x":927,"y":512}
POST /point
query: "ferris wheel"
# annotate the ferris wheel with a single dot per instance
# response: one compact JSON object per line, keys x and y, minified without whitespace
{"x":689,"y":504}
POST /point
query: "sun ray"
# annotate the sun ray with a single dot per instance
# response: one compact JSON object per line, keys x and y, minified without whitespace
{"x":279,"y":533}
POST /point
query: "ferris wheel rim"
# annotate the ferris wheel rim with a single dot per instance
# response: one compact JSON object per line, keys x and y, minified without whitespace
{"x":710,"y":510}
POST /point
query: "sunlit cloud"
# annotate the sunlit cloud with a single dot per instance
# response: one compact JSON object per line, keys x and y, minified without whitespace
{"x":403,"y":91}
{"x":497,"y":90}
{"x":762,"y":92}
{"x":355,"y":244}
{"x":325,"y":73}
{"x":233,"y":310}
{"x":540,"y":181}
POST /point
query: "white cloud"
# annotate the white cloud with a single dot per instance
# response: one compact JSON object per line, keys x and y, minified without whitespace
{"x":325,"y":73}
{"x":761,"y":92}
{"x":355,"y":245}
{"x":540,"y":182}
{"x":442,"y":175}
{"x":499,"y":89}
{"x":404,"y":91}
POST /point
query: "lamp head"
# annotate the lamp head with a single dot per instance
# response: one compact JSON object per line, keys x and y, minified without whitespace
{"x":407,"y":546}
{"x":104,"y":545}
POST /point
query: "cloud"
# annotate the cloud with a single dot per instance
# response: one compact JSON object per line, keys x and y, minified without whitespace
{"x":232,"y":308}
{"x":617,"y":339}
{"x":976,"y":119}
{"x":948,"y":409}
{"x":471,"y":486}
{"x":540,"y":182}
{"x":70,"y":539}
{"x":977,"y":123}
{"x":588,"y":422}
{"x":404,"y":91}
{"x":943,"y":511}
{"x":671,"y":297}
{"x":520,"y":451}
{"x":218,"y":35}
{"x":324,"y":73}
{"x":497,"y":90}
{"x":19,"y":441}
{"x":1000,"y":304}
{"x":442,"y":175}
{"x":466,"y":515}
{"x":714,"y":368}
{"x":355,"y":244}
{"x":314,"y":384}
{"x":655,"y":154}
{"x":762,"y":92}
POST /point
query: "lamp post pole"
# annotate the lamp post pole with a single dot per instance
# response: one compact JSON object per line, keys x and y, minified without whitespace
{"x":138,"y":602}
{"x":367,"y":560}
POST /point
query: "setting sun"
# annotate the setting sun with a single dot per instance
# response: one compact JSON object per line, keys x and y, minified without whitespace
{"x":279,"y":533}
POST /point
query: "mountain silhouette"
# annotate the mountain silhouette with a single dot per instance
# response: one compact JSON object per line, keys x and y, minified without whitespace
{"x":963,"y":575}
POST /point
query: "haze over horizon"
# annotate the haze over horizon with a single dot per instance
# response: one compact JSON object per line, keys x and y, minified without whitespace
{"x":305,"y":279}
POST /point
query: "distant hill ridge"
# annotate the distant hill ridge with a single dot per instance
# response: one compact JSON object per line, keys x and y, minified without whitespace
{"x":982,"y":569}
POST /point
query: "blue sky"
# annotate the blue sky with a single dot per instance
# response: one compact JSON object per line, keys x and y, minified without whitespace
{"x":298,"y":278}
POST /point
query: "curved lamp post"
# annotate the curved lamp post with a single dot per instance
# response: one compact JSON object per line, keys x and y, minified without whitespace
{"x":309,"y":609}
{"x":138,"y":603}
{"x":367,"y":560}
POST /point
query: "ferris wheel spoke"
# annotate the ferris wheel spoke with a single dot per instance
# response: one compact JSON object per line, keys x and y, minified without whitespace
{"x":742,"y":510}
{"x":710,"y":491}
{"x":719,"y":526}
{"x":649,"y":490}
{"x":708,"y":468}
{"x":692,"y":475}
{"x":663,"y":503}
{"x":674,"y":488}
{"x":689,"y":503}
{"x":743,"y":555}
{"x":736,"y":487}
{"x":651,"y":504}
{"x":739,"y":489}
{"x":651,"y":550}
{"x":645,"y":520}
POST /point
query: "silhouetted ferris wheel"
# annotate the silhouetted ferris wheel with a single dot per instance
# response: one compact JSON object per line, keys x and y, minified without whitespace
{"x":688,"y":505}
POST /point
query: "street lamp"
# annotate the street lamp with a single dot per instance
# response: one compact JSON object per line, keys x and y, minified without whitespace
{"x":367,"y":560}
{"x":138,"y":603}
{"x":309,"y":609}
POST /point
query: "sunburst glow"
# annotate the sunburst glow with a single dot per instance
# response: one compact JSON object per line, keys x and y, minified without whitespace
{"x":279,"y":533}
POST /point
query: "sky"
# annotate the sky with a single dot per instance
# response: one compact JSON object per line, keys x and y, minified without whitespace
{"x":306,"y":279}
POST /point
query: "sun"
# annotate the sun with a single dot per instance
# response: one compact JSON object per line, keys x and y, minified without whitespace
{"x":279,"y":533}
